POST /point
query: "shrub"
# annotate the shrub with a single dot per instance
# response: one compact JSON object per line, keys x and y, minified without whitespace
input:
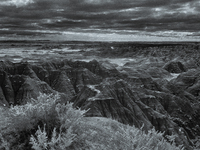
{"x":19,"y":122}
{"x":46,"y":124}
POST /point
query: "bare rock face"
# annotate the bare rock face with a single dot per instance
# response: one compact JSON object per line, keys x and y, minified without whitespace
{"x":3,"y":101}
{"x":116,"y":99}
{"x":6,"y":90}
{"x":188,"y":81}
{"x":21,"y":81}
{"x":133,"y":96}
{"x":175,"y":67}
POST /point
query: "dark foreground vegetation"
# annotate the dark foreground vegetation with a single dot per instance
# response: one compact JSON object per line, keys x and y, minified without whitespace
{"x":145,"y":87}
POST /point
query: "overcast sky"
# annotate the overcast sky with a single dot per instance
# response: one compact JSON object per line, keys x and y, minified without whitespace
{"x":114,"y":20}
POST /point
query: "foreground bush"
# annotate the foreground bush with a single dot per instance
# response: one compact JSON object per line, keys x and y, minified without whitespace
{"x":46,"y":124}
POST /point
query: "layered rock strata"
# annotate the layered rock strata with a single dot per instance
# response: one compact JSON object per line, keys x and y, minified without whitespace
{"x":130,"y":95}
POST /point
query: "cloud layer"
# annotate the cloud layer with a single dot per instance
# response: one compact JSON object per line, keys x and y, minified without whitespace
{"x":172,"y":18}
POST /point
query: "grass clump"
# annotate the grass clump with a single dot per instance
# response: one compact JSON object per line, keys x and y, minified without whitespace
{"x":47,"y":124}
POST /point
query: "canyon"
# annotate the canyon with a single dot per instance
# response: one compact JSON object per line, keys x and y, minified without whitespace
{"x":148,"y":85}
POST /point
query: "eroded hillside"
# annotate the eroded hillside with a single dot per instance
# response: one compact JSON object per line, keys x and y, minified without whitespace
{"x":151,"y":86}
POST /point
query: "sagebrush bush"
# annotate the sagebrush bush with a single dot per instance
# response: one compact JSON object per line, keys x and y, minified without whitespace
{"x":19,"y":122}
{"x":47,"y":124}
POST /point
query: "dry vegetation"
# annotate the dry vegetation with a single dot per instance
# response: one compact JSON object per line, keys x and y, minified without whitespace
{"x":46,"y":124}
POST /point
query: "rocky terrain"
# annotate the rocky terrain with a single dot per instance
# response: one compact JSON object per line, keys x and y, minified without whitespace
{"x":146,"y":85}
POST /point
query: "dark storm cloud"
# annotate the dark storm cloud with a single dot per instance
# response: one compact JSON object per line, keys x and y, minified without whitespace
{"x":119,"y":15}
{"x":21,"y":32}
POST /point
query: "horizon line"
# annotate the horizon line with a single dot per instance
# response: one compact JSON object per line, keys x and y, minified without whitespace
{"x":109,"y":41}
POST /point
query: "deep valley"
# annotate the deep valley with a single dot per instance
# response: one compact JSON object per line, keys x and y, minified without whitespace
{"x":142,"y":84}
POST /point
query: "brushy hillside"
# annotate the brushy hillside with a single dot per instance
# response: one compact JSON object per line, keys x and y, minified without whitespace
{"x":47,"y":124}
